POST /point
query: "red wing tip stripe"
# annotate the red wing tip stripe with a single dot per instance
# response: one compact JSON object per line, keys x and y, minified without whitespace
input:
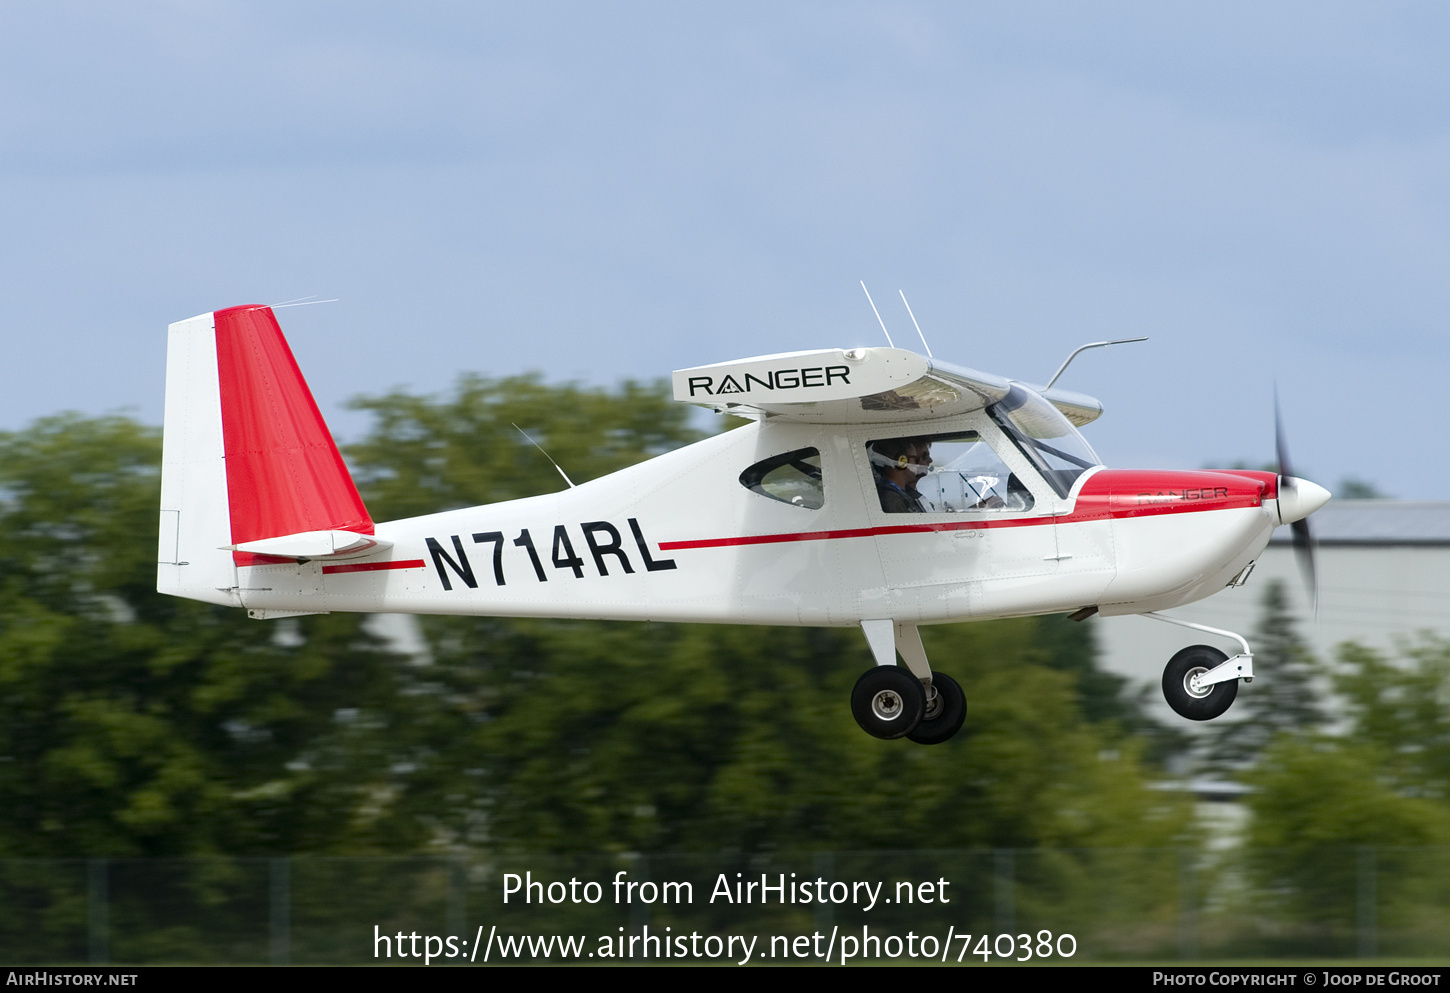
{"x":329,"y":570}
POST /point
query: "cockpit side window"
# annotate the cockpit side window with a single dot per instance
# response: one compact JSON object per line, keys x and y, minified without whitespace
{"x":944,"y":474}
{"x":793,"y":478}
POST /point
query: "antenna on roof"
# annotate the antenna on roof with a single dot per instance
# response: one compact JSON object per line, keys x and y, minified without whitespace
{"x":301,"y":302}
{"x":1097,"y":344}
{"x":543,"y":453}
{"x":918,"y":326}
{"x":877,"y":313}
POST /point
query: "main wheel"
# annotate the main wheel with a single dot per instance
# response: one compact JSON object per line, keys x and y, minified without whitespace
{"x":888,"y":702}
{"x":1197,"y":704}
{"x":946,"y":709}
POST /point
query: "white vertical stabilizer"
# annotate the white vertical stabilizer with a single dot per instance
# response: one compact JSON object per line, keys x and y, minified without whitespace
{"x":195,"y":521}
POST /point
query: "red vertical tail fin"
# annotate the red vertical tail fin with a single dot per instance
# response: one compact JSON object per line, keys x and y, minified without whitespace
{"x":284,"y":473}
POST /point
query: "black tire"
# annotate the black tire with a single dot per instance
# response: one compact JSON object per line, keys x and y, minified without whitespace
{"x":888,"y":702}
{"x":944,"y":715}
{"x":1201,"y":706}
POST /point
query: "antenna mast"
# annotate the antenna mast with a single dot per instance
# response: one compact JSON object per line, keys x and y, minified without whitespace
{"x":918,"y":326}
{"x":877,"y":313}
{"x":543,"y":453}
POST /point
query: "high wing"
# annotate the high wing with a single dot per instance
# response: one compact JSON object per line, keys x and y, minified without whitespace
{"x":856,"y":386}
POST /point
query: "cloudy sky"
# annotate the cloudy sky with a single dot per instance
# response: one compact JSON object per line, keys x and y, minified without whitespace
{"x":606,"y":191}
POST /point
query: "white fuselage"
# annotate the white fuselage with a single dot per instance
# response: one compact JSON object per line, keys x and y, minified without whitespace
{"x":679,"y":538}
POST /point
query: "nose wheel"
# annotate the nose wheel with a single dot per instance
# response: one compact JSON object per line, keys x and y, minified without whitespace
{"x":1200,"y":682}
{"x":1185,"y":689}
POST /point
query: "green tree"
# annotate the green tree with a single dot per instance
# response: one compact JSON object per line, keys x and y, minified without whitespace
{"x":1401,"y":709}
{"x":1103,"y":696}
{"x":428,"y":454}
{"x":1322,"y":792}
{"x":579,"y":737}
{"x":1382,"y":783}
{"x":1283,"y":698}
{"x":1354,"y":488}
{"x":1318,"y":803}
{"x":139,"y":724}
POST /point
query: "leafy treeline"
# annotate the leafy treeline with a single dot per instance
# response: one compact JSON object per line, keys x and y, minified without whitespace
{"x":137,"y":724}
{"x":1349,"y":794}
{"x":1343,"y":752}
{"x":1382,"y":780}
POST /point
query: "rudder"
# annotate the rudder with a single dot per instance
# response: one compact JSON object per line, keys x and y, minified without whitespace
{"x":246,"y":455}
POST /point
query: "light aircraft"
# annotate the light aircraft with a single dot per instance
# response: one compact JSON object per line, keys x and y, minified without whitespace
{"x":873,"y":488}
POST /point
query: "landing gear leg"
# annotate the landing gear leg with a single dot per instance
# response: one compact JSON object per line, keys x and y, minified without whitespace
{"x":945,"y":712}
{"x":1200,"y":682}
{"x":884,"y":701}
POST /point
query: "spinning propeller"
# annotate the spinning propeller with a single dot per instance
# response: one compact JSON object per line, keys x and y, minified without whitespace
{"x":1298,"y":498}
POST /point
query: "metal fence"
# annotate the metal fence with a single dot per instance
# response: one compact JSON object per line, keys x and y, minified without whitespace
{"x":1117,"y":904}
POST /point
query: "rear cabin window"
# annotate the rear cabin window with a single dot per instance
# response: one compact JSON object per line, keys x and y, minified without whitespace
{"x":793,"y":478}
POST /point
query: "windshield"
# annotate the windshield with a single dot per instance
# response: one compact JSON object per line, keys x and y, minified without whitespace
{"x":1045,"y":436}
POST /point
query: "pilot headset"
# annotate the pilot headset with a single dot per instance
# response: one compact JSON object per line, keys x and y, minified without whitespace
{"x":900,"y":462}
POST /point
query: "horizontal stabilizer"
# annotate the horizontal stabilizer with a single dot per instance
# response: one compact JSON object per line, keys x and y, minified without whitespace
{"x":314,"y":545}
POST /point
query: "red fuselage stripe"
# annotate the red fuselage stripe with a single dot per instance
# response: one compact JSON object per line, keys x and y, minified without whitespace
{"x":328,"y":570}
{"x":770,"y":539}
{"x":1077,"y":517}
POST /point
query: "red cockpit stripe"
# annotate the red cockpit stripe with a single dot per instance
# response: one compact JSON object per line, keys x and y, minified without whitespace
{"x":329,"y":570}
{"x":1102,"y":498}
{"x":770,"y":539}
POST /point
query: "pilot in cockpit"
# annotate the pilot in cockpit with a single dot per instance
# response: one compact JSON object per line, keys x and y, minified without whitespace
{"x":898,"y":464}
